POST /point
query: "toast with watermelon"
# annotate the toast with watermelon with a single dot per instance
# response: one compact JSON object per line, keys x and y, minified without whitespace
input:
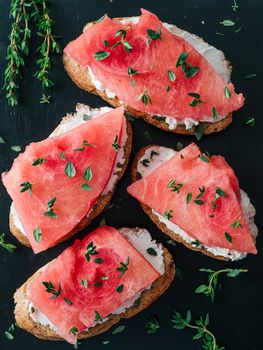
{"x":167,"y":76}
{"x":59,"y":185}
{"x":111,"y":274}
{"x":195,"y":199}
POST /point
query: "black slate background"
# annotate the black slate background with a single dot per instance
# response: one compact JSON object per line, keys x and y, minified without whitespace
{"x":236,"y":315}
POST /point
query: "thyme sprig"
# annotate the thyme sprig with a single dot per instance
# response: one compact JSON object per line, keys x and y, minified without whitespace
{"x":200,"y":326}
{"x":152,"y":325}
{"x":209,"y":290}
{"x":49,"y":43}
{"x":17,"y":48}
{"x":8,"y":246}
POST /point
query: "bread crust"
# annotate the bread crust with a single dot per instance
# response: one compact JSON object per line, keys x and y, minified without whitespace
{"x":176,"y":237}
{"x":81,"y":77}
{"x":99,"y":206}
{"x":148,"y":296}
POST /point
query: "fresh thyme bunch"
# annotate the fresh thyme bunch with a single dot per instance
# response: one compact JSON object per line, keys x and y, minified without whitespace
{"x":23,"y":12}
{"x":17,"y":48}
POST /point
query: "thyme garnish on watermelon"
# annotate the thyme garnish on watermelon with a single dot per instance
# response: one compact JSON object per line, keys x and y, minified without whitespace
{"x":127,"y":46}
{"x":22,"y":12}
{"x":91,"y":250}
{"x":26,"y":186}
{"x":153,"y":35}
{"x":115,"y":144}
{"x":50,"y":211}
{"x":123,"y":267}
{"x":50,"y":288}
{"x":196,"y":99}
{"x":145,"y":98}
{"x":189,"y":70}
{"x":131,"y":73}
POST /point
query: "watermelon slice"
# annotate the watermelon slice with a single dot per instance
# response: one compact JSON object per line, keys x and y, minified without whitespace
{"x":145,"y":86}
{"x":201,"y":195}
{"x":92,"y":286}
{"x":52,"y":197}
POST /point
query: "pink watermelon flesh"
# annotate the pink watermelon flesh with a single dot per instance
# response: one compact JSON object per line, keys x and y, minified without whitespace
{"x":49,"y":179}
{"x":203,"y":222}
{"x":152,"y":61}
{"x":113,"y":248}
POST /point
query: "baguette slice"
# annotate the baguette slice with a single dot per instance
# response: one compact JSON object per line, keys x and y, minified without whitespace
{"x":248,"y":210}
{"x":82,"y":78}
{"x":68,"y":122}
{"x":147,"y":297}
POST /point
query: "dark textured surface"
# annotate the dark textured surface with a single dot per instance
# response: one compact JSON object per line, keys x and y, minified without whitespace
{"x":236,"y":315}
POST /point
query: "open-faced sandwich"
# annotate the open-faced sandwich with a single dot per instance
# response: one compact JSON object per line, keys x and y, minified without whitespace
{"x":59,"y":185}
{"x":167,"y":76}
{"x":111,"y":274}
{"x":196,"y":200}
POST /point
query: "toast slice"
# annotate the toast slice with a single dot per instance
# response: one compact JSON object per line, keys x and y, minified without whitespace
{"x":82,"y":78}
{"x":148,"y":296}
{"x":165,"y":154}
{"x":68,"y":122}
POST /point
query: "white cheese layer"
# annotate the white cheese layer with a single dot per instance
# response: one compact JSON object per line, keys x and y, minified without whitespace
{"x":69,"y":123}
{"x":141,"y":240}
{"x":214,"y":56}
{"x":156,"y":160}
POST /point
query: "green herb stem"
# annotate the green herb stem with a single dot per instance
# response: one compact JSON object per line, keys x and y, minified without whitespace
{"x":49,"y":44}
{"x":16,"y":49}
